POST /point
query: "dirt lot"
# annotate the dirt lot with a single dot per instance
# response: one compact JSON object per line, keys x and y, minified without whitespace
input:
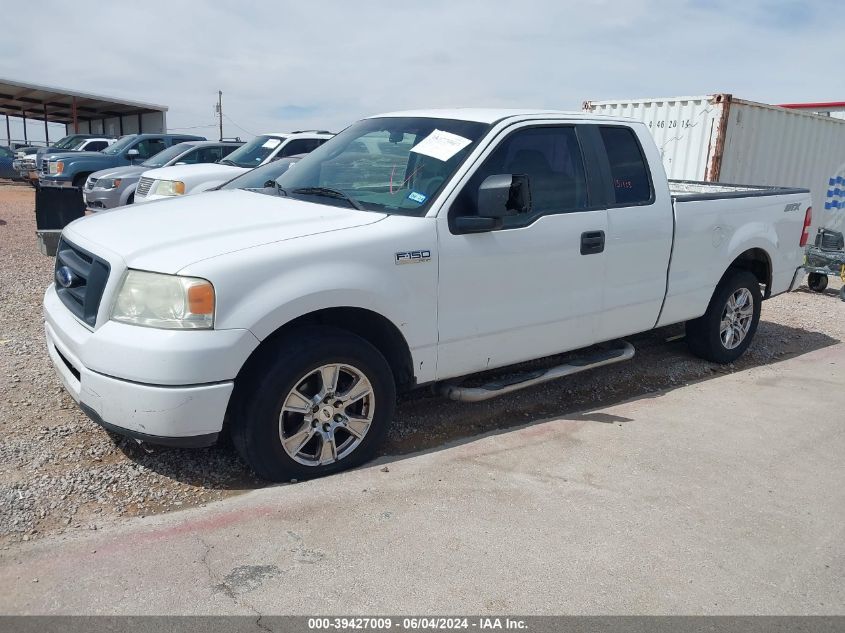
{"x":60,"y":472}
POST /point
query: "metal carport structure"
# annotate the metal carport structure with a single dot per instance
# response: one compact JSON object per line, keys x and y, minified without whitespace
{"x":79,"y":112}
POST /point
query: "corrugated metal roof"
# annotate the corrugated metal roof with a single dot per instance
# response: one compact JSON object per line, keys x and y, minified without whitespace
{"x":17,"y":98}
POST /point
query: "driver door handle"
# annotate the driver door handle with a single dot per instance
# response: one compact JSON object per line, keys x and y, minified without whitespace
{"x":592,"y":242}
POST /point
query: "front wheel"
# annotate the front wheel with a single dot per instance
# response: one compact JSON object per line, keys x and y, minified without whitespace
{"x":319,"y":401}
{"x":727,"y":328}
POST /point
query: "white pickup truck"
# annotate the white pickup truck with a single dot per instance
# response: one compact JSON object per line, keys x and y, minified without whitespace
{"x":464,"y":240}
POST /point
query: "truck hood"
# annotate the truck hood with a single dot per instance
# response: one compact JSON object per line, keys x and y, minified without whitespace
{"x":119,"y":172}
{"x":191,"y":173}
{"x":168,"y":235}
{"x":77,"y":155}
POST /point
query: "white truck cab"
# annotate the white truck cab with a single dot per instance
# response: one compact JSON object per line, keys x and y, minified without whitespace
{"x":167,"y":182}
{"x":412,"y":248}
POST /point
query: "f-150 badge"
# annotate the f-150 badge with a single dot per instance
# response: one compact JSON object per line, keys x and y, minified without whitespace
{"x":412,"y":257}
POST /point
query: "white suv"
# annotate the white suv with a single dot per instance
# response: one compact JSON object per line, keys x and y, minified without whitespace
{"x":184,"y":179}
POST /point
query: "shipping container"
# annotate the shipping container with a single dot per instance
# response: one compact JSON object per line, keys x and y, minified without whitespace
{"x":719,"y":138}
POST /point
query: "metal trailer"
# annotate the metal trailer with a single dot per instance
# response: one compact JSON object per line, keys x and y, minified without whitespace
{"x":720,"y":138}
{"x":826,"y":258}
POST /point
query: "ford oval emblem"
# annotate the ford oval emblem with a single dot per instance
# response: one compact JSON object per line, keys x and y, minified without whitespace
{"x":65,"y":277}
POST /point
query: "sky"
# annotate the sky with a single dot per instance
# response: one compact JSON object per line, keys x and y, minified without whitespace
{"x":324,"y":64}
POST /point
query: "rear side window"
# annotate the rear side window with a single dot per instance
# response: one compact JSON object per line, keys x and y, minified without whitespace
{"x":628,"y":169}
{"x":300,"y":146}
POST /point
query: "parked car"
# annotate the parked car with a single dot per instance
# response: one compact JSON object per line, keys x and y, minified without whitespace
{"x":6,"y":160}
{"x":71,"y":169}
{"x":31,"y":157}
{"x":32,"y":163}
{"x":112,"y":188}
{"x":500,"y":237}
{"x":176,"y":181}
{"x":92,"y":145}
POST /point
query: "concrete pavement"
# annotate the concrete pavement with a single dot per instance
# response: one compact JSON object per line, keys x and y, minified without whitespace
{"x":724,"y":496}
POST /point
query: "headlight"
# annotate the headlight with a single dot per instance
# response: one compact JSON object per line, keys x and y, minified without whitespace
{"x":165,"y":301}
{"x":108,"y":183}
{"x":57,"y":168}
{"x":170,"y":188}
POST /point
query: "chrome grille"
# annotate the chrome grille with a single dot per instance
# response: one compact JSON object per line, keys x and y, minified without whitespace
{"x":80,"y":280}
{"x":144,"y":187}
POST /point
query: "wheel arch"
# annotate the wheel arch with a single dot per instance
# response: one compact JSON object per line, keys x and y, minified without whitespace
{"x":758,"y":262}
{"x":373,"y":327}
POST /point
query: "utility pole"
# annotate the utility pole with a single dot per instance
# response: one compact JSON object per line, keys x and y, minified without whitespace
{"x":219,"y":110}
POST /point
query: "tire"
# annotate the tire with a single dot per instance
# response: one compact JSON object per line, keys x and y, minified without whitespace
{"x":817,"y":282}
{"x":842,"y":293}
{"x":79,"y":180}
{"x":704,"y":335}
{"x":131,"y":198}
{"x":263,"y":413}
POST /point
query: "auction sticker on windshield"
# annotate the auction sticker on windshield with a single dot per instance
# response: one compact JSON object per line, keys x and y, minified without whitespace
{"x":271,"y":143}
{"x":441,"y":145}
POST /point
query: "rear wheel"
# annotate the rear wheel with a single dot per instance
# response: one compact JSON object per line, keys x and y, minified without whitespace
{"x":318,"y":402}
{"x":842,"y":293}
{"x":725,"y":331}
{"x":817,"y":282}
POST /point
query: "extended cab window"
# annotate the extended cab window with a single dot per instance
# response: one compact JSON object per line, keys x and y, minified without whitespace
{"x":550,"y":157}
{"x":628,"y":169}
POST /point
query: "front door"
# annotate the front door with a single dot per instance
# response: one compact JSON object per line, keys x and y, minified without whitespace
{"x":535,"y":286}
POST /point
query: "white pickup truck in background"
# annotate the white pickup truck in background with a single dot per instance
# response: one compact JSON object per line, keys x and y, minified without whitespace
{"x":290,"y":315}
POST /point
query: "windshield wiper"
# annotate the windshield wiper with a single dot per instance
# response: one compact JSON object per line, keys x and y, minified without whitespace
{"x":226,"y":161}
{"x":279,"y":189}
{"x":328,"y":192}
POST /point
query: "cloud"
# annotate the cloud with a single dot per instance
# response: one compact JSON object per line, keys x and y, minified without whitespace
{"x":295,"y":65}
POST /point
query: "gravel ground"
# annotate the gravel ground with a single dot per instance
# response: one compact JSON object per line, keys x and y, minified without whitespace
{"x":59,"y":472}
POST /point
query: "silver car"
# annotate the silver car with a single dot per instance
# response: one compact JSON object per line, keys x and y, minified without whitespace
{"x":115,"y":187}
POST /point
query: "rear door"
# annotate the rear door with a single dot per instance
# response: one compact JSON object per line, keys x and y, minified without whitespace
{"x":639,"y":230}
{"x":533,"y":287}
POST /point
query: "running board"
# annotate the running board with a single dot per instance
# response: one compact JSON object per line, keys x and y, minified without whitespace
{"x":529,"y":379}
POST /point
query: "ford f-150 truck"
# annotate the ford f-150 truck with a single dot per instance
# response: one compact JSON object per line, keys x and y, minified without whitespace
{"x":289,"y":316}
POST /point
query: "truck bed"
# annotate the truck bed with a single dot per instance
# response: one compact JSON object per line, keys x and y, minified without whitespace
{"x":687,"y":190}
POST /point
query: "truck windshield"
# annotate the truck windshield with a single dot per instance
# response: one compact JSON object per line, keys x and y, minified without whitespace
{"x":119,"y":146}
{"x":392,"y":164}
{"x":67,"y":142}
{"x":167,"y":155}
{"x":253,"y":153}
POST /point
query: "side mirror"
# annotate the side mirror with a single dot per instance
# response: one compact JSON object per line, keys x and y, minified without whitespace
{"x":132,"y":154}
{"x":504,"y":195}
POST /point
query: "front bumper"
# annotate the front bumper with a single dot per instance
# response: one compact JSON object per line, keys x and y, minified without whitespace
{"x":96,"y":199}
{"x":159,"y":399}
{"x":53,"y":182}
{"x":185,"y":416}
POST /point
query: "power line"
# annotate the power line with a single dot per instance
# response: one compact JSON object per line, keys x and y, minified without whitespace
{"x":238,"y":126}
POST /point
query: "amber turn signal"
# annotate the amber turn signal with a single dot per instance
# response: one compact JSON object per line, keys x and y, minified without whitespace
{"x":201,"y":298}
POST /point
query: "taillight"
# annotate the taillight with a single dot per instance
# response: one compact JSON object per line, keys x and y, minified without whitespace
{"x":808,"y":220}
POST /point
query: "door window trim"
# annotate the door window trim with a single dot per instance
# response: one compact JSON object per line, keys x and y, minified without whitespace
{"x":595,"y":192}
